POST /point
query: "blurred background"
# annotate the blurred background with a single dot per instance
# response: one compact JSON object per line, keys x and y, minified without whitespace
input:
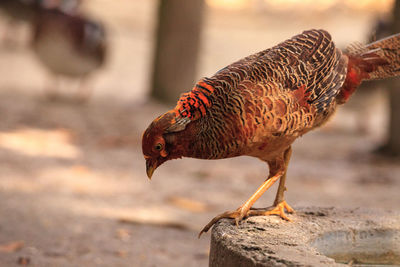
{"x":81,"y":80}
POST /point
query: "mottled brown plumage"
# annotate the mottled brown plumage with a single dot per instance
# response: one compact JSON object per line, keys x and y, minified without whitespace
{"x":259,"y":105}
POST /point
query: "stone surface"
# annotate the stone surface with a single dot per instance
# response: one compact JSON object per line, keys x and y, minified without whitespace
{"x":357,"y":236}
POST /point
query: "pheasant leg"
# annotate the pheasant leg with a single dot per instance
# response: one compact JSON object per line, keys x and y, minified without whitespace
{"x":280,"y":204}
{"x":278,"y":169}
{"x":84,"y":90}
{"x":243,"y":210}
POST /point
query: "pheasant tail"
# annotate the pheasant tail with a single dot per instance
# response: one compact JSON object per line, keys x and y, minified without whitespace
{"x":378,"y":60}
{"x":385,"y":54}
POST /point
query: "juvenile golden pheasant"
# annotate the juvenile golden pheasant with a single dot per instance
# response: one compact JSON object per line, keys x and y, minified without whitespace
{"x":259,"y":105}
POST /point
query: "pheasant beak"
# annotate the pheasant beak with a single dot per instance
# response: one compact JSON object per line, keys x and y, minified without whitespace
{"x":151,"y":165}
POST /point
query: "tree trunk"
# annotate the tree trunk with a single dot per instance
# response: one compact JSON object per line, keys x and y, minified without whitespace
{"x":393,"y":145}
{"x":177,"y":46}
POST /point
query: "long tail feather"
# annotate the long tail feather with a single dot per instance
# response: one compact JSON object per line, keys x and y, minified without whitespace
{"x":378,"y":60}
{"x":385,"y":56}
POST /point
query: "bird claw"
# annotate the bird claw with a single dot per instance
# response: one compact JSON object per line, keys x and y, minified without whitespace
{"x":238,"y":215}
{"x":241,"y":213}
{"x":276,"y":210}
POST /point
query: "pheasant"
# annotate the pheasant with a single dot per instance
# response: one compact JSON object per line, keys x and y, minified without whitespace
{"x":69,"y":45}
{"x":259,"y":105}
{"x":28,"y":10}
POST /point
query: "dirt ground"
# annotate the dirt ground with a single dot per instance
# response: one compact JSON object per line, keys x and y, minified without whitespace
{"x":73,"y":188}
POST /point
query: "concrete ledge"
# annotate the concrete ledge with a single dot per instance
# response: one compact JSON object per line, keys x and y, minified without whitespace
{"x":314,"y":238}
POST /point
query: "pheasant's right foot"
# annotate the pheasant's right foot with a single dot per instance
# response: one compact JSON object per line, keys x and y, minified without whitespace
{"x":276,"y":210}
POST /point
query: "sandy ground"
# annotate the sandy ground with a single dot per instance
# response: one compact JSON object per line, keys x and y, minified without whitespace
{"x":73,"y":189}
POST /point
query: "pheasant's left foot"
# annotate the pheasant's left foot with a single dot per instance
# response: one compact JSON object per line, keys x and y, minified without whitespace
{"x":241,"y":213}
{"x":277,"y":210}
{"x":238,"y":215}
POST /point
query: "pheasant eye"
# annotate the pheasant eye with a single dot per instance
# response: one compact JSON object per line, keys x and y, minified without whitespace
{"x":158,"y":147}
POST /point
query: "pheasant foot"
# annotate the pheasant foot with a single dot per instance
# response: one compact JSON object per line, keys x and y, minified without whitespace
{"x":238,"y":215}
{"x":241,"y":213}
{"x":279,"y":210}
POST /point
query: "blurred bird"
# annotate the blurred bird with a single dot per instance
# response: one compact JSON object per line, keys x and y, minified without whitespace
{"x":66,"y":6}
{"x":260,"y":105}
{"x":20,"y":9}
{"x":26,"y":11}
{"x":17,"y":11}
{"x":69,"y":45}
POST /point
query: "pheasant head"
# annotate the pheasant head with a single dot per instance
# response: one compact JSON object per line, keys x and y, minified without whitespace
{"x":163,"y":141}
